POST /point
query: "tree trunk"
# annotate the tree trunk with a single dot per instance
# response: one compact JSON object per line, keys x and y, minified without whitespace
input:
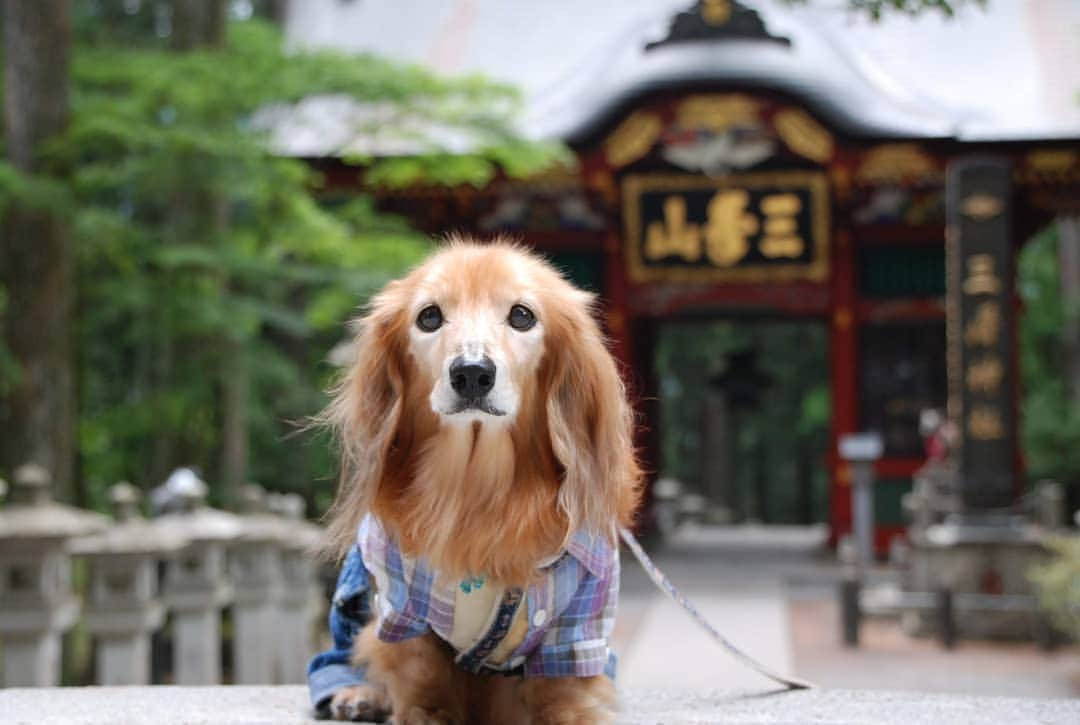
{"x":202,"y":24}
{"x":235,"y":387}
{"x":277,"y":12}
{"x":198,"y":24}
{"x":37,"y":416}
{"x":1069,"y":258}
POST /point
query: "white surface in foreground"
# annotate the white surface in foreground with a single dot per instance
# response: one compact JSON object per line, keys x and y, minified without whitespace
{"x":288,"y":704}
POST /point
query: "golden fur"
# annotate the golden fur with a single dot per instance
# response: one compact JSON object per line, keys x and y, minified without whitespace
{"x":493,"y":497}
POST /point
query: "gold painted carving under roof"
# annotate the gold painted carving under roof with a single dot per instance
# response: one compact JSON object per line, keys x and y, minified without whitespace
{"x":895,"y":162}
{"x":804,"y":135}
{"x":1052,"y":160}
{"x":633,"y":138}
{"x":717,"y":112}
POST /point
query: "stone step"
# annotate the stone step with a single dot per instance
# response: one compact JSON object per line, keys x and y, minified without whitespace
{"x":162,"y":705}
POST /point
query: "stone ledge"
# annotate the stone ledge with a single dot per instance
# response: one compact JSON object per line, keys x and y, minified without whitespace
{"x":288,"y":704}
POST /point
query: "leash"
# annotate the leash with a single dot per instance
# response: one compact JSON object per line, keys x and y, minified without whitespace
{"x":665,"y":585}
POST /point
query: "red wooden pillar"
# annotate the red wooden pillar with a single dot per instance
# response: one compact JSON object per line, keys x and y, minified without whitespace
{"x":844,"y":366}
{"x":631,"y":345}
{"x":615,"y":306}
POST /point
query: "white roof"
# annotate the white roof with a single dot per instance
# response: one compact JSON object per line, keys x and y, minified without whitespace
{"x":1011,"y":71}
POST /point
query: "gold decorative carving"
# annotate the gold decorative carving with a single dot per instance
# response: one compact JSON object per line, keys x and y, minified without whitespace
{"x":981,"y":207}
{"x":728,"y":228}
{"x":984,"y":423}
{"x":673,"y":236}
{"x":981,"y":279}
{"x":840,"y":176}
{"x":633,"y":138}
{"x":716,"y":112}
{"x":985,"y":325}
{"x":716,"y":12}
{"x":985,"y":376}
{"x":804,"y":135}
{"x":723,"y":237}
{"x":890,"y":163}
{"x":1052,"y":161}
{"x":602,"y":181}
{"x":781,"y":226}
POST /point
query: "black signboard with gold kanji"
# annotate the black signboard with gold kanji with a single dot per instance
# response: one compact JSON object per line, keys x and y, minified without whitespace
{"x":980,"y":329}
{"x":749,"y":227}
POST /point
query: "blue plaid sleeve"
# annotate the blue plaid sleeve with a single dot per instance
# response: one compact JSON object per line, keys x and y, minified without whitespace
{"x":350,"y":610}
{"x":576,"y":644}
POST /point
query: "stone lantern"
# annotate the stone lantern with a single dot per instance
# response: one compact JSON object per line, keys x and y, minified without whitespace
{"x":256,"y":568}
{"x":122,"y":608}
{"x":36,"y":600}
{"x":196,"y":580}
{"x":299,"y":599}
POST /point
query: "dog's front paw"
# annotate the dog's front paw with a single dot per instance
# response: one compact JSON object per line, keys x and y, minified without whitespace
{"x":364,"y":703}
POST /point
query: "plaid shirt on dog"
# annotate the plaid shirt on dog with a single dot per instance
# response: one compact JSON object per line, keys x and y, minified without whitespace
{"x":570,"y":612}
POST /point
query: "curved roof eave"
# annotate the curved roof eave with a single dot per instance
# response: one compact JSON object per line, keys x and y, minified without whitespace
{"x":812,"y":69}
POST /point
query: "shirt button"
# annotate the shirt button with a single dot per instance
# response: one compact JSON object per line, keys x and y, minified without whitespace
{"x":539,"y":618}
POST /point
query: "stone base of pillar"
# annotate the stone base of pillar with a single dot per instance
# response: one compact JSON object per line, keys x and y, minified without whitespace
{"x":294,"y":643}
{"x":255,"y":631}
{"x":990,"y":560}
{"x":123,"y":659}
{"x":32,"y":660}
{"x":197,"y":646}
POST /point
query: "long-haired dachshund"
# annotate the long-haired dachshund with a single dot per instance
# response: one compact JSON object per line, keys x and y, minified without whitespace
{"x":487,"y":461}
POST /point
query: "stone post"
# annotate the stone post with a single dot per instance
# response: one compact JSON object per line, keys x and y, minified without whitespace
{"x":1050,"y":505}
{"x":299,"y":602}
{"x":257,"y":579}
{"x":196,"y":581}
{"x":122,"y":608}
{"x":36,"y":600}
{"x":716,"y":449}
{"x":861,"y":450}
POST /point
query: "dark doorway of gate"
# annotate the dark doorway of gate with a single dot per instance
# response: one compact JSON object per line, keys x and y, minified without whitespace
{"x":744,"y":417}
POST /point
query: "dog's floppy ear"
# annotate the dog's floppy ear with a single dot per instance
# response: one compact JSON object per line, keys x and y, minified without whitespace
{"x":365,"y":413}
{"x":590,"y":420}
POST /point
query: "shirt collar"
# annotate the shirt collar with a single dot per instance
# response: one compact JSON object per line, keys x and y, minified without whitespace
{"x":593,"y":550}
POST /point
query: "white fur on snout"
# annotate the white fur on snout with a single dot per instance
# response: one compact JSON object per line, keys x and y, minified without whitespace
{"x":472,"y":335}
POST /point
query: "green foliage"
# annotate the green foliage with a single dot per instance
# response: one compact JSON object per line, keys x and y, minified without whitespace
{"x":878,"y":9}
{"x":777,"y":442}
{"x":9,"y":369}
{"x":1051,"y":420}
{"x":1058,"y":584}
{"x":197,"y":248}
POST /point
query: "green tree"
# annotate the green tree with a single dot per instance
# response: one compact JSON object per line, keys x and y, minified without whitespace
{"x":199,"y":251}
{"x":37,"y":391}
{"x":1051,"y":417}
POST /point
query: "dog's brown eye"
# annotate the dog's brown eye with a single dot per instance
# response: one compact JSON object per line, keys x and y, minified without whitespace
{"x":430,"y":318}
{"x":521,"y":318}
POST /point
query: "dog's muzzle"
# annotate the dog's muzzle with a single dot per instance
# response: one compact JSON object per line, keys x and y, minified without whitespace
{"x":472,"y":380}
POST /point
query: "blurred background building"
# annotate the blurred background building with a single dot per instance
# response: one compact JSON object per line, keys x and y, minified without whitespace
{"x":840,"y":320}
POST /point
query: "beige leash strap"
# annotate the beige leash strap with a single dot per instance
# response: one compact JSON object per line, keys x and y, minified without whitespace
{"x":665,"y":585}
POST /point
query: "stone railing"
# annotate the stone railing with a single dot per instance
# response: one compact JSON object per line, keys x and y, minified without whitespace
{"x":288,"y":704}
{"x":185,"y":567}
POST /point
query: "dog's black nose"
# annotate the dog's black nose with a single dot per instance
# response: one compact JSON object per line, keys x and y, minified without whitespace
{"x":472,"y":379}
